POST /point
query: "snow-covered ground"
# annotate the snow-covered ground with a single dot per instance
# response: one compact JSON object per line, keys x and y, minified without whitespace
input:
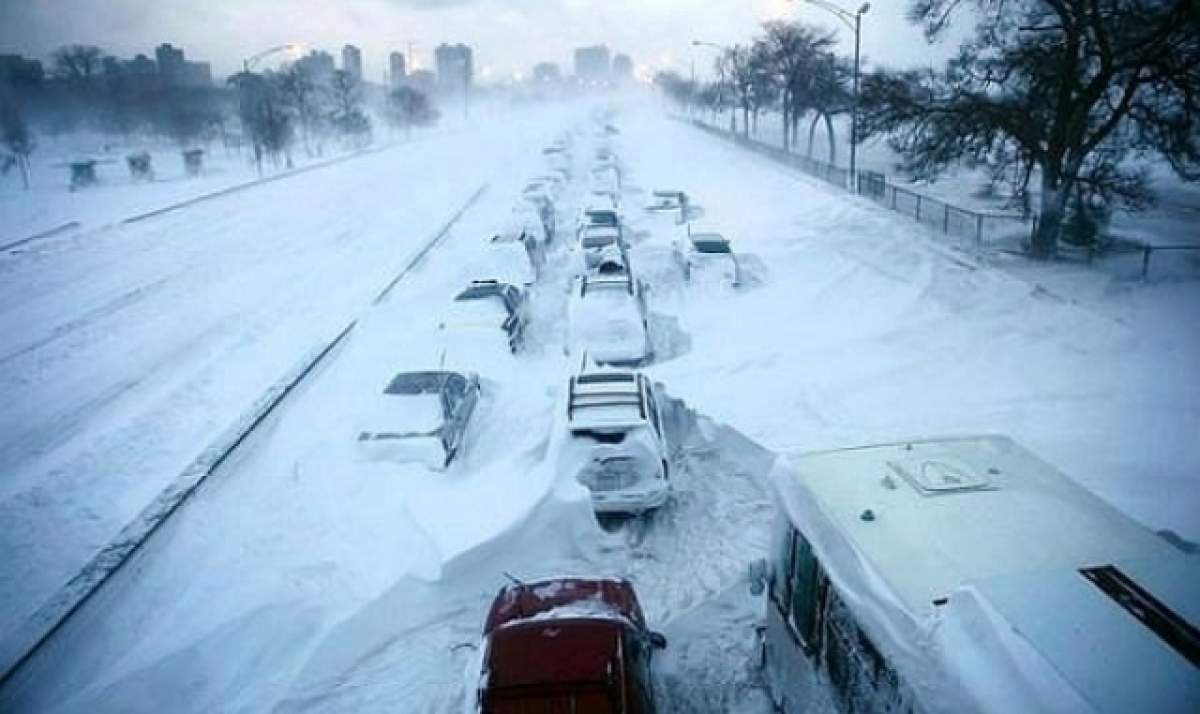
{"x":126,"y":350}
{"x":302,"y":578}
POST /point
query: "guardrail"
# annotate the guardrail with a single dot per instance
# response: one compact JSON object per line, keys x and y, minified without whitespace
{"x":980,"y":226}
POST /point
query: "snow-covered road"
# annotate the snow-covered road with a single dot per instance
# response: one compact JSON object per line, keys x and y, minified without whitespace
{"x":126,"y":350}
{"x":302,"y":579}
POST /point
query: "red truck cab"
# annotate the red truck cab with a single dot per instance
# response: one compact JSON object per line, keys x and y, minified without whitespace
{"x":567,"y":645}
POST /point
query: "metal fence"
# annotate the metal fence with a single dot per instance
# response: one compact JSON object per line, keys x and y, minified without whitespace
{"x":982,"y":227}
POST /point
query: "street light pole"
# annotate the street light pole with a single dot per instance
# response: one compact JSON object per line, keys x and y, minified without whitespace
{"x":254,"y":59}
{"x":856,"y":26}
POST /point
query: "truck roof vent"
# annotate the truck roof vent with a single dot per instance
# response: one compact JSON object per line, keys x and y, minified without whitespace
{"x":941,"y":475}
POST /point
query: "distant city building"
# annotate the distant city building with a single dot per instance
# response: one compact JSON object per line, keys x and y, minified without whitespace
{"x":396,"y":68}
{"x":16,"y":70}
{"x":455,"y":66}
{"x":176,"y":71}
{"x":547,"y":73}
{"x":352,"y":61}
{"x":622,"y":69}
{"x":593,"y":64}
{"x":140,"y":66}
{"x":422,"y":80}
{"x":317,"y":64}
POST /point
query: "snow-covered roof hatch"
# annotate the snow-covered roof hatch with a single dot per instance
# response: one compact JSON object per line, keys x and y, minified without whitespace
{"x":929,"y":517}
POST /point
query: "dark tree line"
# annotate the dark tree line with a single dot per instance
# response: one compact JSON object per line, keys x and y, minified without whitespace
{"x":1073,"y":94}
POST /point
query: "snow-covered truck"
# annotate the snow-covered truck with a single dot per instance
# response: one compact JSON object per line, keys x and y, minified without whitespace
{"x":968,"y":575}
{"x":576,"y":645}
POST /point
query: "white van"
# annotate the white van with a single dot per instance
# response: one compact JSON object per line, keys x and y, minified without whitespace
{"x":967,"y":575}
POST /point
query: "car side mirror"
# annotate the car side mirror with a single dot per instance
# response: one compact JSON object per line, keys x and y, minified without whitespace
{"x":758,"y":575}
{"x":658,"y":640}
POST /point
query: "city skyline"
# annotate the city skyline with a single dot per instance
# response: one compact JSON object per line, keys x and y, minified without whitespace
{"x":224,"y":32}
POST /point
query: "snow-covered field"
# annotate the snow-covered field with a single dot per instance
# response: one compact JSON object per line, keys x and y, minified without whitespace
{"x":303,"y":578}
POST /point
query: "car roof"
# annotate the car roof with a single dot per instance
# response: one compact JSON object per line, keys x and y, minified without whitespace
{"x":522,"y":601}
{"x":420,"y":382}
{"x":602,"y":398}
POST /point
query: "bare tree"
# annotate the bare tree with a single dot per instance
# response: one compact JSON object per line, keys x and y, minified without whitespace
{"x":796,"y":51}
{"x":347,"y":116}
{"x":307,"y":97}
{"x":1071,"y":89}
{"x":78,"y":63}
{"x":408,"y":107}
{"x":17,"y":140}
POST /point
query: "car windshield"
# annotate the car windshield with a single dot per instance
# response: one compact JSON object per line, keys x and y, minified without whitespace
{"x":710,"y":244}
{"x":597,"y":239}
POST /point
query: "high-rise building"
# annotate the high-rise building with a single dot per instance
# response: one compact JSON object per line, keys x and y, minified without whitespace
{"x":593,"y":64}
{"x":396,"y":68}
{"x":352,"y":61}
{"x":170,"y":63}
{"x":622,"y":69}
{"x":317,"y":64}
{"x":175,"y":71}
{"x":455,"y":66}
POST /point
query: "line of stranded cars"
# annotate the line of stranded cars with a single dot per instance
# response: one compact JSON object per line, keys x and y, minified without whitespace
{"x":947,"y":575}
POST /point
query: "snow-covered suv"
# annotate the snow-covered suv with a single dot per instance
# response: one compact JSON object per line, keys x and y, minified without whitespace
{"x":616,"y":445}
{"x":577,"y":645}
{"x":608,"y":320}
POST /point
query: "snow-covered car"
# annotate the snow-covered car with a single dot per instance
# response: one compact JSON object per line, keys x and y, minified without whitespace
{"x":708,"y":259}
{"x":667,"y":202}
{"x":597,"y":241}
{"x":578,"y":645}
{"x":544,"y":209}
{"x":491,"y":305}
{"x":608,"y":320}
{"x":616,"y":446}
{"x":599,"y":215}
{"x":511,"y":260}
{"x":422,"y":417}
{"x":611,"y":260}
{"x":542,"y":187}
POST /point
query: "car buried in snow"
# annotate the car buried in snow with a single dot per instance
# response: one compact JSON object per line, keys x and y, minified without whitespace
{"x":511,"y":259}
{"x":597,"y":240}
{"x":662,"y":201}
{"x":576,"y":645}
{"x":492,"y":306}
{"x":968,"y":575}
{"x":608,"y":320}
{"x":422,"y":417}
{"x":616,"y":444}
{"x":708,"y":259}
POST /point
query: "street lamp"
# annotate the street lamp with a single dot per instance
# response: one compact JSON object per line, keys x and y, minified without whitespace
{"x":853,"y":20}
{"x":254,"y":59}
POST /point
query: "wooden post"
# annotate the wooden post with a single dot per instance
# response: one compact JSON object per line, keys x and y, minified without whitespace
{"x":979,"y":231}
{"x":1146,"y":262}
{"x":918,"y":206}
{"x":946,"y":220}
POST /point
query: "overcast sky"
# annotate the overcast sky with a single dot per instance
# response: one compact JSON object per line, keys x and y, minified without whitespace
{"x":508,"y":35}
